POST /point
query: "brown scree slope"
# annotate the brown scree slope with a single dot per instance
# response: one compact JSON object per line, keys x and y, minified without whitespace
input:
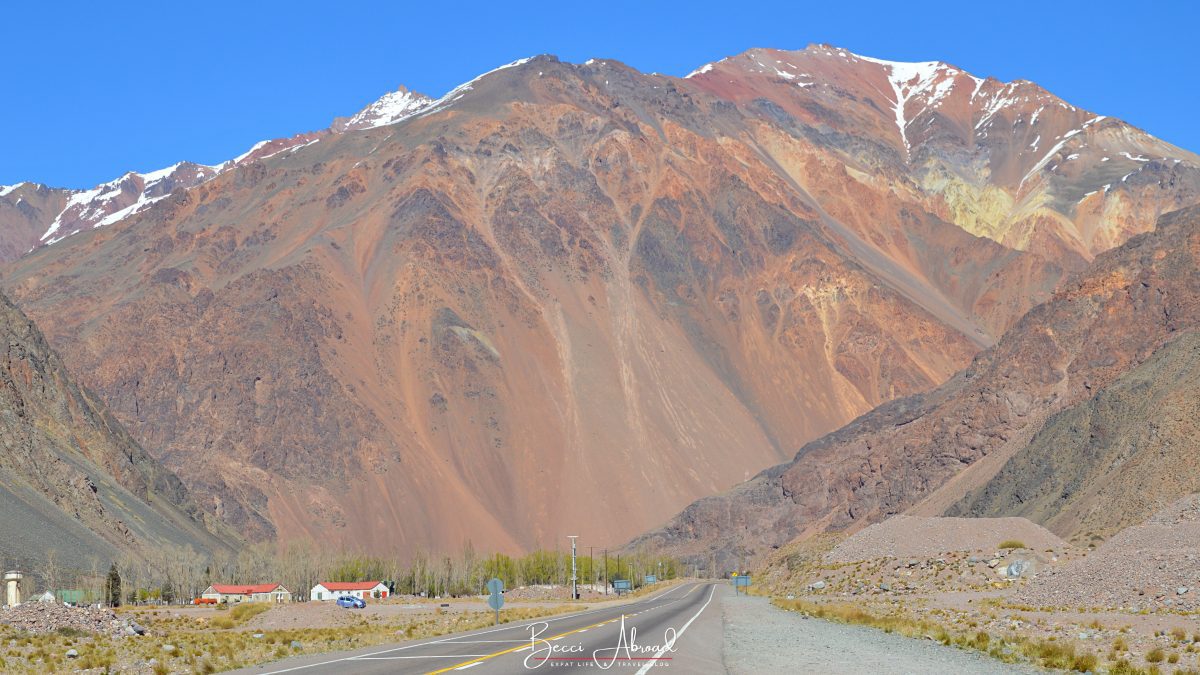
{"x":1088,"y":400}
{"x":72,"y":481}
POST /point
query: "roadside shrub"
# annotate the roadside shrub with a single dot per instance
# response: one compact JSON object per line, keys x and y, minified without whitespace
{"x":246,"y":611}
{"x":1084,"y":663}
{"x":1054,"y":654}
{"x":1122,"y":667}
{"x":1012,"y":543}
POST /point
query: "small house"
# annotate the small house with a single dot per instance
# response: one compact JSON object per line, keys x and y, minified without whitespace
{"x":230,"y":593}
{"x":332,"y":590}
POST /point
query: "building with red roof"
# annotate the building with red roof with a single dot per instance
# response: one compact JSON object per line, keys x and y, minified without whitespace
{"x":332,"y":590}
{"x":247,"y":593}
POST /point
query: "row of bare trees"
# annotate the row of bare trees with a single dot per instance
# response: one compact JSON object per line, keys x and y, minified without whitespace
{"x":177,"y":574}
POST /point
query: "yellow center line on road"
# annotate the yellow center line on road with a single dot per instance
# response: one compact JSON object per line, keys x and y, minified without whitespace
{"x":481,"y":659}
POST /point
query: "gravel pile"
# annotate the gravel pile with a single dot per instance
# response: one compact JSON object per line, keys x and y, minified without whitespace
{"x":1151,"y":566}
{"x":47,"y":617}
{"x":920,"y":537}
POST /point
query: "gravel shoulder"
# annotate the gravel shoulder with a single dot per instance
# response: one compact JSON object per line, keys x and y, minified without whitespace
{"x":760,"y":638}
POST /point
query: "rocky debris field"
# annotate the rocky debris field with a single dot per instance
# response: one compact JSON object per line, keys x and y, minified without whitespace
{"x":946,"y":573}
{"x":1154,"y":566}
{"x":920,"y":537}
{"x":41,"y":618}
{"x":1130,"y":606}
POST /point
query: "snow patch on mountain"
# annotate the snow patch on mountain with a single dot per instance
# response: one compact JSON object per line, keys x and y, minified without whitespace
{"x":461,"y":90}
{"x":95,"y":207}
{"x":1059,"y":146}
{"x":254,"y":148}
{"x":393,"y":107}
{"x":6,"y":189}
{"x":926,"y":82}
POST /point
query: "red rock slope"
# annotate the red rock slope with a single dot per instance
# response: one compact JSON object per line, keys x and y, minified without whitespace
{"x":1048,"y":400}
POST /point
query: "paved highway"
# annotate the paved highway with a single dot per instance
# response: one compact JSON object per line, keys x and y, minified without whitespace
{"x":679,"y":629}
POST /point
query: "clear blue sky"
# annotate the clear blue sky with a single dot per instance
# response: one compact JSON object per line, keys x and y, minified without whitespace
{"x":91,"y":90}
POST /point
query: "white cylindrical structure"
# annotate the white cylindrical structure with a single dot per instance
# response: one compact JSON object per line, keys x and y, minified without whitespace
{"x":12,"y":581}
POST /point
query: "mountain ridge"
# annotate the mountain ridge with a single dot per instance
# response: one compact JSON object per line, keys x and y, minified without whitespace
{"x":1094,"y":340}
{"x":554,"y":270}
{"x":70,"y":468}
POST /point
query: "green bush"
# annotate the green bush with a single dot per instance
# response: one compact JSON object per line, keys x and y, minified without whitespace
{"x":1012,"y":543}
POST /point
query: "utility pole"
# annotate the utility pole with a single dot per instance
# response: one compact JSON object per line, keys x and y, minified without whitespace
{"x":592,"y":567}
{"x":574,"y":574}
{"x":606,"y":571}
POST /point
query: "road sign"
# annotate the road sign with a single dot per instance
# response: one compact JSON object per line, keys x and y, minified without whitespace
{"x":740,"y":581}
{"x":622,"y":585}
{"x":496,"y":602}
{"x":651,"y":579}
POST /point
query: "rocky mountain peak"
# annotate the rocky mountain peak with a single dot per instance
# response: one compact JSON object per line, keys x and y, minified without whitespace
{"x":392,"y":107}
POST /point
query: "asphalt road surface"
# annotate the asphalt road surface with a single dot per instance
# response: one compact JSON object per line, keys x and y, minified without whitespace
{"x":679,"y":629}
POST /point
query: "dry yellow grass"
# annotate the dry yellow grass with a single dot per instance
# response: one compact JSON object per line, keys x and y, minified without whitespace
{"x":209,"y":646}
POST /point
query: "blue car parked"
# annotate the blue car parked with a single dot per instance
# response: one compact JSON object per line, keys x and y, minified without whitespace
{"x":351,"y":602}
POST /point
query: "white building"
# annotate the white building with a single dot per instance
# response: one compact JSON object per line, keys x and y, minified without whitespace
{"x":332,"y":590}
{"x":247,"y":593}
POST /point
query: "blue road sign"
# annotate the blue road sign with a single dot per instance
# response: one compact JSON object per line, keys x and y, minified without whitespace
{"x":495,"y":586}
{"x":622,"y":585}
{"x":496,"y":601}
{"x":741,"y":580}
{"x":651,"y":579}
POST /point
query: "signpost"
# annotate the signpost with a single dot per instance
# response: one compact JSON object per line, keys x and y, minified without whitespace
{"x":496,"y":599}
{"x":622,"y":586}
{"x":651,"y":579}
{"x":574,"y":571}
{"x":740,"y":581}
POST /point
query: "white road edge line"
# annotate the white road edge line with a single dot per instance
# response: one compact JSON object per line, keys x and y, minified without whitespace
{"x":548,"y":620}
{"x":469,"y":665}
{"x":650,"y":664}
{"x":436,"y":656}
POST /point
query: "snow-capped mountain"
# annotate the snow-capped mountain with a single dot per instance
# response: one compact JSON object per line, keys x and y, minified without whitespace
{"x":1005,"y":160}
{"x":109,"y":202}
{"x":393,"y":107}
{"x":33,"y":215}
{"x":557,"y":267}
